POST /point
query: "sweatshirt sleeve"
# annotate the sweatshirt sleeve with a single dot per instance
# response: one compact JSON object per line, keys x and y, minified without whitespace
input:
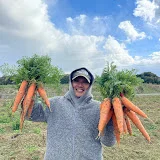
{"x":109,"y":138}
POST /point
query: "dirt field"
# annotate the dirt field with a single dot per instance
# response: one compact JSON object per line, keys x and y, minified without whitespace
{"x":30,"y":144}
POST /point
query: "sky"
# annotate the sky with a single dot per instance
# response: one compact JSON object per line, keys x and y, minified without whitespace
{"x":82,"y":33}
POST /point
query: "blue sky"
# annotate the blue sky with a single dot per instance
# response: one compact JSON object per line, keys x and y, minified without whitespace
{"x":76,"y":33}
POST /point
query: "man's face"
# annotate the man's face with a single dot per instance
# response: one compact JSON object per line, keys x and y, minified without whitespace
{"x":80,"y":86}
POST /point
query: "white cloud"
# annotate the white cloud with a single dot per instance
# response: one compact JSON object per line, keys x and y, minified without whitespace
{"x":148,"y":64}
{"x":76,"y":25}
{"x":156,"y":56}
{"x":82,"y":19}
{"x":25,"y":26}
{"x":83,"y":24}
{"x":77,"y":51}
{"x":32,"y":32}
{"x":23,"y":18}
{"x":117,"y":52}
{"x":147,"y":10}
{"x":69,"y":19}
{"x":152,"y":59}
{"x":26,"y":29}
{"x":131,"y":32}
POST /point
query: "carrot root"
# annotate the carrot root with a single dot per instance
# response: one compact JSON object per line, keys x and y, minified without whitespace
{"x":19,"y":96}
{"x":105,"y":115}
{"x":43,"y":94}
{"x":117,"y":106}
{"x":127,"y":103}
{"x":134,"y":118}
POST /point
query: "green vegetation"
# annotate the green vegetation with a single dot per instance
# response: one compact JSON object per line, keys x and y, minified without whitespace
{"x":38,"y":68}
{"x":37,"y":130}
{"x":148,"y":88}
{"x":113,"y":82}
{"x":15,"y":122}
{"x":31,"y":148}
{"x":149,"y":77}
{"x":65,"y":79}
{"x":42,"y":68}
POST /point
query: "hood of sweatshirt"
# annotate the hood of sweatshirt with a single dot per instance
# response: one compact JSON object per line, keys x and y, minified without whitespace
{"x":86,"y":97}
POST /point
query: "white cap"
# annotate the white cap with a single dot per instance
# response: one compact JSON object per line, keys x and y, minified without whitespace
{"x":82,"y":73}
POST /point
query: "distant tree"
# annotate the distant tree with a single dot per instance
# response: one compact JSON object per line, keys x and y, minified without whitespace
{"x":5,"y":80}
{"x":149,"y":77}
{"x":8,"y":72}
{"x":65,"y":79}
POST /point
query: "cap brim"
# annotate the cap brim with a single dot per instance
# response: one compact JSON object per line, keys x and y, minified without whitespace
{"x":82,"y":76}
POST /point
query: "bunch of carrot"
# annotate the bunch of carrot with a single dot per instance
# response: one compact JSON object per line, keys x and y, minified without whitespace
{"x":26,"y":96}
{"x":122,"y":112}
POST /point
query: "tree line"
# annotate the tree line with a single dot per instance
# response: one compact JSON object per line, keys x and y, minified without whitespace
{"x":148,"y":77}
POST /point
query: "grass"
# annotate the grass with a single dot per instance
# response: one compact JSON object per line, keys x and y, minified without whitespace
{"x":37,"y":130}
{"x":30,"y":144}
{"x":31,"y":148}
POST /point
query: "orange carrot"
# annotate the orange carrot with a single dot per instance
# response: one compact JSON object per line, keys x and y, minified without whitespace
{"x":29,"y":95}
{"x":31,"y":105}
{"x":19,"y":95}
{"x":117,"y":106}
{"x":105,"y":108}
{"x":128,"y":124}
{"x":124,"y":126}
{"x":43,"y":94}
{"x":26,"y":102}
{"x":116,"y":129}
{"x":134,"y":118}
{"x":30,"y":108}
{"x":127,"y":103}
{"x":109,"y":115}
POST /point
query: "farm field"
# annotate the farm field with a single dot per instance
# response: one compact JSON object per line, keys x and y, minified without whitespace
{"x":30,"y":144}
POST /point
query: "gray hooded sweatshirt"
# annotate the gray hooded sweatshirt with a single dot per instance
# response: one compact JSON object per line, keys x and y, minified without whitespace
{"x":72,"y":127}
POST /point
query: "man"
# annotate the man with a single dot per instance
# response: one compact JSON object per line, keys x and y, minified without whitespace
{"x":72,"y":124}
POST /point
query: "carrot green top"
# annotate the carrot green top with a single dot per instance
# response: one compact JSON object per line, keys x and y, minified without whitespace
{"x":113,"y":82}
{"x":36,"y":68}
